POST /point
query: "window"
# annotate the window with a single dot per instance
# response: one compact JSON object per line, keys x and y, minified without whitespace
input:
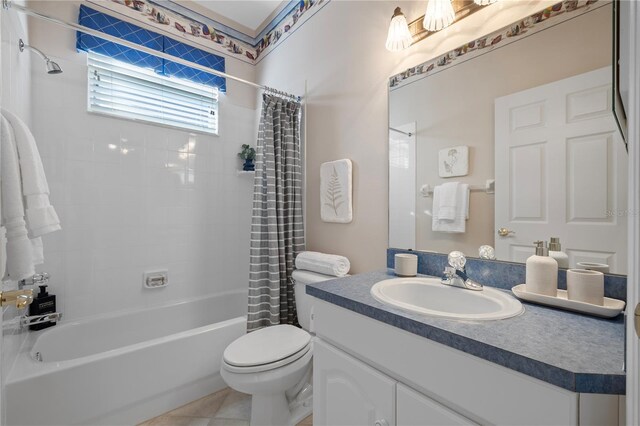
{"x":122,"y":90}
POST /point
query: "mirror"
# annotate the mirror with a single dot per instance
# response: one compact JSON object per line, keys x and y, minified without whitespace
{"x":523,"y":117}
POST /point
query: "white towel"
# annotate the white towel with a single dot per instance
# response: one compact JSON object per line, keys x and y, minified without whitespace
{"x":19,"y":256}
{"x":447,"y":200}
{"x":41,"y":217}
{"x":308,"y":277}
{"x":328,"y":264}
{"x":458,"y":224}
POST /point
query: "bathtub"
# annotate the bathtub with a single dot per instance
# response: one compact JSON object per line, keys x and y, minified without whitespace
{"x":125,"y":368}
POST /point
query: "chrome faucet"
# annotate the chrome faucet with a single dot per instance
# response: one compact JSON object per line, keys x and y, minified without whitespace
{"x":456,"y":275}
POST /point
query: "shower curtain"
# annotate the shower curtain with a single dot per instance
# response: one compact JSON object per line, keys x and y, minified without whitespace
{"x":277,"y":232}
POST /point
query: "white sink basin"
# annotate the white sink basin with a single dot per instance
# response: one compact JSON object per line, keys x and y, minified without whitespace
{"x":430,"y":297}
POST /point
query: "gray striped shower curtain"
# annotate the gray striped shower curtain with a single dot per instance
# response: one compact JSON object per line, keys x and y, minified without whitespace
{"x":277,"y":231}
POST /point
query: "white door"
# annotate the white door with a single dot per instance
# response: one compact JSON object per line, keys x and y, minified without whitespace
{"x":630,"y":19}
{"x":347,"y":392}
{"x":414,"y":409}
{"x":561,"y":171}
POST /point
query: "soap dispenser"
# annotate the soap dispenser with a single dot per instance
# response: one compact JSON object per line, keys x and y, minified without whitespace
{"x":555,"y":252}
{"x":542,"y":272}
{"x":44,"y":303}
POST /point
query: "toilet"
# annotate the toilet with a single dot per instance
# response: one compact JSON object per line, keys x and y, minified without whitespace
{"x":273,"y":364}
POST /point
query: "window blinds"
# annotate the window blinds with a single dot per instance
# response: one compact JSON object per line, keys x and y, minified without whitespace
{"x":127,"y":91}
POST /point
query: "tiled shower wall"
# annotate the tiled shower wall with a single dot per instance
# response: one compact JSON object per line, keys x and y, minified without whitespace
{"x":15,"y":96}
{"x":134,"y":197}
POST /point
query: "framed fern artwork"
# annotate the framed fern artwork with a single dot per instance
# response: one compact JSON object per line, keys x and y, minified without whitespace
{"x":336,"y":191}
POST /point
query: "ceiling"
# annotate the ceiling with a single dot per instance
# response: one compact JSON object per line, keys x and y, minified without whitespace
{"x":250,"y":14}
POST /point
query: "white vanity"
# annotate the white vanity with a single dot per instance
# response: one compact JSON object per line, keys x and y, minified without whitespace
{"x":378,"y":365}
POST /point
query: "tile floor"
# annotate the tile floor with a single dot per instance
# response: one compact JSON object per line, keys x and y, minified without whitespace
{"x":224,"y":408}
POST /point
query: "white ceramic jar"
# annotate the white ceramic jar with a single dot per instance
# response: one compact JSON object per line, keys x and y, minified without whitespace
{"x":406,"y":265}
{"x":585,"y":286}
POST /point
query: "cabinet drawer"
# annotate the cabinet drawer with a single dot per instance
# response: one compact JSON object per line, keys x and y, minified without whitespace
{"x":414,"y":409}
{"x":348,"y":392}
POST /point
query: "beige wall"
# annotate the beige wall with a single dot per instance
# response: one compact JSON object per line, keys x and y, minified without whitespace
{"x":456,"y":107}
{"x":340,"y":53}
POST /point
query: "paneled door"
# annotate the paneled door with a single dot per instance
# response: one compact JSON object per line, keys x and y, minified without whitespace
{"x":347,"y":392}
{"x":561,"y":171}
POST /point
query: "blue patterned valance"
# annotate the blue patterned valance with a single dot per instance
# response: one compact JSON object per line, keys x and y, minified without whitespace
{"x":113,"y":26}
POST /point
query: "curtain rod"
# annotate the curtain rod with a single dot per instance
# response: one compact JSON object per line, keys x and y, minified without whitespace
{"x":9,"y":4}
{"x":401,"y":131}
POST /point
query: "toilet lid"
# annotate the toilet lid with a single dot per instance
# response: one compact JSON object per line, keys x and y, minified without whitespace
{"x":266,"y":346}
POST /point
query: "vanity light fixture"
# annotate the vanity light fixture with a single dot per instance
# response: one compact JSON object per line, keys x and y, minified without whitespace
{"x":484,"y":2}
{"x":439,"y":15}
{"x":399,"y":37}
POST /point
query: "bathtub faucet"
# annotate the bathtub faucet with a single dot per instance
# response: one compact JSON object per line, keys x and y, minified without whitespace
{"x":37,"y":279}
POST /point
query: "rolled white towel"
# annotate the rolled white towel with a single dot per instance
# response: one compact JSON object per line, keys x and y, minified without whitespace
{"x":328,"y":264}
{"x":307,"y":277}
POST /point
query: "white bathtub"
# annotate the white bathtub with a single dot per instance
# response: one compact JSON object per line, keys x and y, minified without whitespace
{"x":123,"y":369}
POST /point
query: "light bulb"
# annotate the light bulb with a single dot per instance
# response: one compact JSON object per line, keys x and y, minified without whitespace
{"x":439,"y":15}
{"x":399,"y":37}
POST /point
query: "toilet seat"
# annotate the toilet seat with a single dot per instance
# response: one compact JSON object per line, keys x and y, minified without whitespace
{"x":266,"y":349}
{"x":270,"y":366}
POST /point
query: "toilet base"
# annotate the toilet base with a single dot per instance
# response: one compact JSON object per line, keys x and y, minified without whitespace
{"x":269,"y":409}
{"x":277,"y":409}
{"x":273,"y":410}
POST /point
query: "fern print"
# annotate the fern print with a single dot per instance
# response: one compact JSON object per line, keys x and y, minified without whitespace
{"x":333,"y":196}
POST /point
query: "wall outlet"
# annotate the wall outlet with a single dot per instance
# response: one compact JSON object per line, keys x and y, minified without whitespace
{"x":155,"y":279}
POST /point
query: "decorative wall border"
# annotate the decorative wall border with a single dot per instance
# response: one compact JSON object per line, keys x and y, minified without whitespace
{"x":549,"y":17}
{"x":165,"y":18}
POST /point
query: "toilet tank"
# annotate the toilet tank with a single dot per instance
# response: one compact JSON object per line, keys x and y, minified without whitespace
{"x":304,"y":302}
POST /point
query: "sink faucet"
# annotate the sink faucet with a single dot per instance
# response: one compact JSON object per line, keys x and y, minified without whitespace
{"x":456,"y":275}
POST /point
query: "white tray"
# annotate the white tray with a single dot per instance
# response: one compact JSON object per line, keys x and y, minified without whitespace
{"x":610,"y":309}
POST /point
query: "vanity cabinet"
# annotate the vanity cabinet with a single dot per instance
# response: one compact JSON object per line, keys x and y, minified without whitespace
{"x":367,"y":372}
{"x":348,"y":392}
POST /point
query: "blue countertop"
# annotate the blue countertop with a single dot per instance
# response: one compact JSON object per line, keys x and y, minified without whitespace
{"x":573,"y":351}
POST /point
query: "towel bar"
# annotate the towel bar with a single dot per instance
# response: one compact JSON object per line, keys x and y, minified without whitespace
{"x":426,"y":190}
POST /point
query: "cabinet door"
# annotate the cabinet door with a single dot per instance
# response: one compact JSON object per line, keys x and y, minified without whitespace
{"x":415,"y":409}
{"x":347,"y":392}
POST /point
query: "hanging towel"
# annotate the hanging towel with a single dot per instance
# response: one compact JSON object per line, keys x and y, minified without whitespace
{"x":328,"y":264}
{"x":447,"y":200}
{"x":19,"y":255}
{"x":458,"y":224}
{"x":41,"y":217}
{"x":336,"y":191}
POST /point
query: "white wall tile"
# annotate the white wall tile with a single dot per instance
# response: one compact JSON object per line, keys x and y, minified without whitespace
{"x":131,"y":196}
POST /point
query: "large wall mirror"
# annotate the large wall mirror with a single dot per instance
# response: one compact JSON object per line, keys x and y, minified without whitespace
{"x":524,"y":118}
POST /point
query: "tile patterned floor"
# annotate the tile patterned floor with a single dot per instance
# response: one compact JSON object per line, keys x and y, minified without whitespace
{"x":224,"y":408}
